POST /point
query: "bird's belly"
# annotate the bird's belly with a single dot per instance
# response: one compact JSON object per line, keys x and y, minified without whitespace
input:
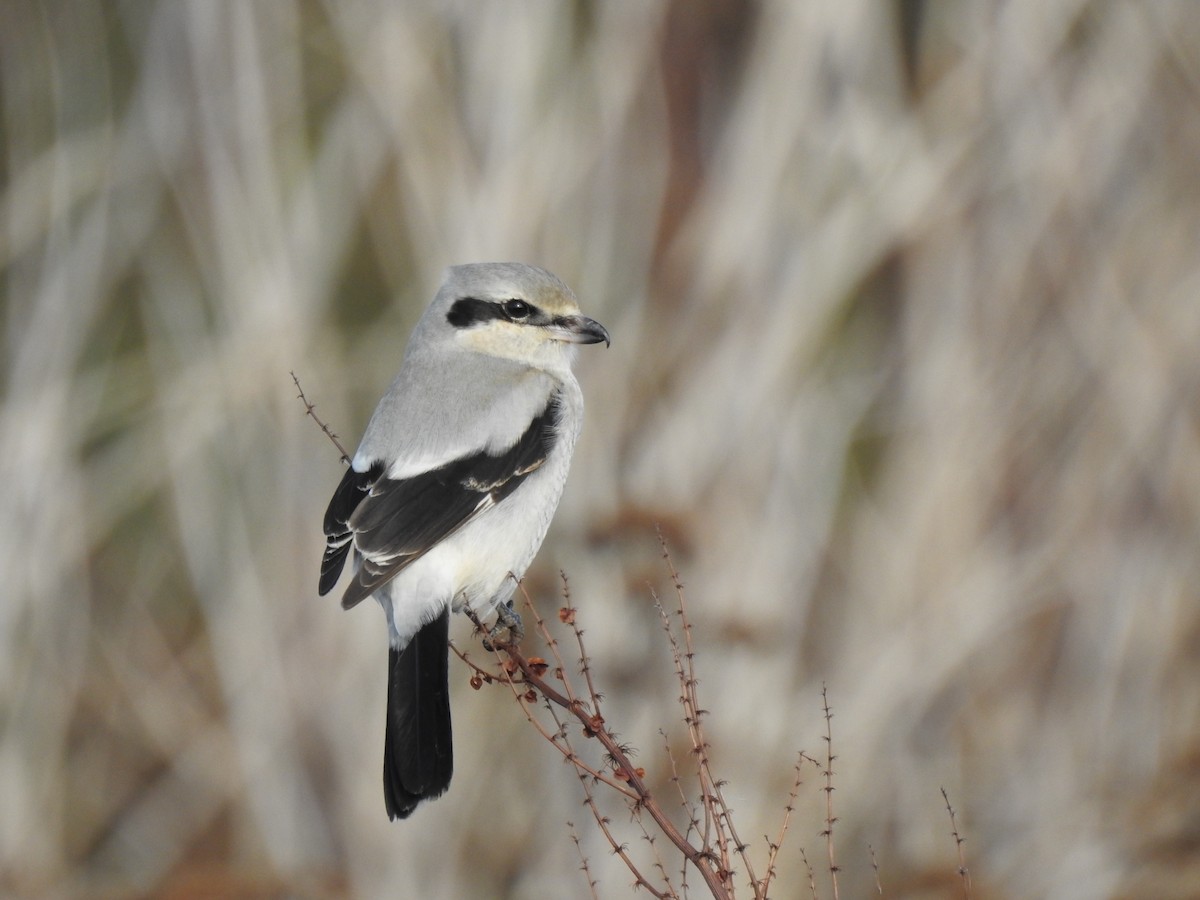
{"x":475,"y":567}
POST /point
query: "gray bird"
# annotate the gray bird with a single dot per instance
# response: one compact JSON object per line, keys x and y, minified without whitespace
{"x":452,"y":489}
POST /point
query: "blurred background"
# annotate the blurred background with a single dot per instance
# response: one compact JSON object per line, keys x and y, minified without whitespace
{"x":905,"y":306}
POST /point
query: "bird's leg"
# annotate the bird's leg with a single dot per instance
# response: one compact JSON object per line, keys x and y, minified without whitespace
{"x":512,"y":619}
{"x":506,"y":618}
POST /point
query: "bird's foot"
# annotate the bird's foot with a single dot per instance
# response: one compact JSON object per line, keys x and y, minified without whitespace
{"x":508,"y":620}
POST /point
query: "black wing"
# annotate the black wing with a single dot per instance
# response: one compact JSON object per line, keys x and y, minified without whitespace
{"x":393,"y":522}
{"x":338,"y":536}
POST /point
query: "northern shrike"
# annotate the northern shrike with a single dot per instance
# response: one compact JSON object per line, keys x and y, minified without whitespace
{"x":453,"y":487}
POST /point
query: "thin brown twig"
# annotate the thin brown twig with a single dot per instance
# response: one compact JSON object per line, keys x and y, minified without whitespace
{"x":310,"y":409}
{"x":830,"y":818}
{"x":812,"y":878}
{"x":621,"y":762}
{"x":690,"y":680}
{"x":688,"y":806}
{"x":726,"y":820}
{"x":764,"y":886}
{"x":658,"y":860}
{"x":583,"y":770}
{"x":566,"y":614}
{"x":561,"y":740}
{"x":562,"y":743}
{"x":602,"y":821}
{"x":557,"y":741}
{"x":617,"y":847}
{"x":483,"y":674}
{"x":690,"y":720}
{"x":618,"y":755}
{"x":959,"y":840}
{"x":717,"y":824}
{"x":585,"y":667}
{"x":875,"y":869}
{"x":583,"y":862}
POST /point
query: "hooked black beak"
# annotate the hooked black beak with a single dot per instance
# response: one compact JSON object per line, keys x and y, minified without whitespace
{"x":580,"y":330}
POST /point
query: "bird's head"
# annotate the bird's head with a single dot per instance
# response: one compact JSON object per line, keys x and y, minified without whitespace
{"x":515,"y":312}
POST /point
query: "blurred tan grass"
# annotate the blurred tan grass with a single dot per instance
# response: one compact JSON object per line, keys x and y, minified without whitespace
{"x":906,"y":308}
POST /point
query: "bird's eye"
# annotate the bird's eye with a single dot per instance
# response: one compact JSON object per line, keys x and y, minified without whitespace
{"x":517,"y":309}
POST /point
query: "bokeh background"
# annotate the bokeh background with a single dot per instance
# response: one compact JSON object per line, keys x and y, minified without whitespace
{"x":905,"y":305}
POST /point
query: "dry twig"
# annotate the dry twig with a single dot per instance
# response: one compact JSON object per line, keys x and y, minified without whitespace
{"x":830,"y":818}
{"x":875,"y":869}
{"x":583,"y":862}
{"x":524,"y":675}
{"x":519,"y":671}
{"x":812,"y":878}
{"x":310,"y":409}
{"x":773,"y":846}
{"x":959,"y":840}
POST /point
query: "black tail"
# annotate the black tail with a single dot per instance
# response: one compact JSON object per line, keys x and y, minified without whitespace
{"x":418,"y":758}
